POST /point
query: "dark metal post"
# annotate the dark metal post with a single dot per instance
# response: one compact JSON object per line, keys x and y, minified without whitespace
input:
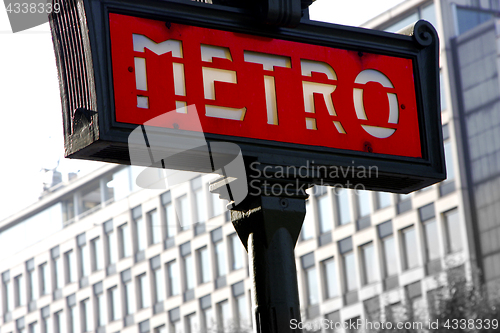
{"x":269,"y":226}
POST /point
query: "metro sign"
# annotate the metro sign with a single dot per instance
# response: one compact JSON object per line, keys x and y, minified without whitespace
{"x":263,"y":88}
{"x":318,"y":95}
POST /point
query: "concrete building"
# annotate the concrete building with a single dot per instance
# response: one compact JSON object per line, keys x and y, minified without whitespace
{"x":99,"y":254}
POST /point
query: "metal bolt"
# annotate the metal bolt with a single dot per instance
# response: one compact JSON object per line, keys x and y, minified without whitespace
{"x":176,"y":126}
{"x":131,"y":69}
{"x":284,"y":202}
{"x":403,"y":106}
{"x":168,"y":24}
{"x":368,"y":147}
{"x":360,"y":54}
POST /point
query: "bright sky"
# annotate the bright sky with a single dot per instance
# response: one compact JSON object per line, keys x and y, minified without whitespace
{"x":32,"y":138}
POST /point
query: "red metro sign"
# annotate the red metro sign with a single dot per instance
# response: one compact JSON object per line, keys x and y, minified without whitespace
{"x":263,"y":88}
{"x":195,"y":78}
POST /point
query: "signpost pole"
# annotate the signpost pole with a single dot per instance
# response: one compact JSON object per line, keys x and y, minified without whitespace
{"x":269,"y":225}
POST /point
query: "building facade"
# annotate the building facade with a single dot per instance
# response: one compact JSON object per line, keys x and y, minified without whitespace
{"x":99,"y":254}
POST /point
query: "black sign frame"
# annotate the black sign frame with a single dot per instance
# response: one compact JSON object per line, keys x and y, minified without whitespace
{"x":83,"y":54}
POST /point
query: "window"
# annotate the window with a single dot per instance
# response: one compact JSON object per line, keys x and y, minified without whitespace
{"x":448,"y":185}
{"x":84,"y":260}
{"x":383,"y":199}
{"x":46,"y":323}
{"x":216,"y":205}
{"x":182,"y":209}
{"x":161,"y":329}
{"x":30,"y":276}
{"x":154,"y":227}
{"x":324,"y":211}
{"x":372,"y":310}
{"x":389,"y":256}
{"x":430,"y":229}
{"x":237,"y":253}
{"x":114,"y":305}
{"x":204,"y":264}
{"x":97,"y":254}
{"x":442,"y":91}
{"x":208,"y":319}
{"x":350,"y":271}
{"x":224,"y":315}
{"x":43,"y":271}
{"x":448,"y":154}
{"x":404,"y":203}
{"x":111,"y":247}
{"x":311,"y":280}
{"x":367,"y":252}
{"x":128,"y":293}
{"x":308,"y":225}
{"x":175,"y":321}
{"x":412,"y":18}
{"x":125,"y":243}
{"x":8,"y":305}
{"x":364,"y":203}
{"x":349,"y":264}
{"x":469,"y":18}
{"x":20,"y":290}
{"x":199,"y":201}
{"x":58,"y":269}
{"x":191,"y":323}
{"x":70,"y":266}
{"x":100,"y":310}
{"x":72,"y":314}
{"x":395,"y":312}
{"x":34,"y":328}
{"x":220,"y":258}
{"x":189,"y":271}
{"x":170,"y":218}
{"x":20,"y":325}
{"x":331,"y":282}
{"x":159,"y":290}
{"x":312,"y":290}
{"x":242,"y":319}
{"x":86,"y":311}
{"x":177,"y":327}
{"x":388,"y":248}
{"x":416,"y":303}
{"x":140,"y":229}
{"x":144,"y":326}
{"x":173,"y":278}
{"x":59,"y":322}
{"x":344,"y":213}
{"x":453,"y":232}
{"x":242,"y":311}
{"x":410,"y":247}
{"x":143,"y":284}
{"x":431,"y":239}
